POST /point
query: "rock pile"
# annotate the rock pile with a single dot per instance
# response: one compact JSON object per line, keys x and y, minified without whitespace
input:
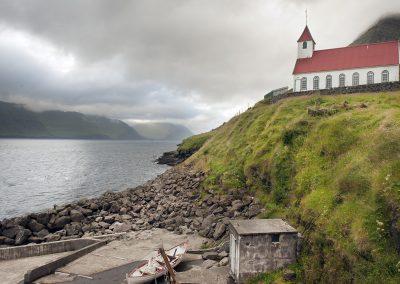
{"x":172,"y":201}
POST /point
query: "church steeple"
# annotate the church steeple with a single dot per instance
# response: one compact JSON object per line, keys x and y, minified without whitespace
{"x":306,"y":44}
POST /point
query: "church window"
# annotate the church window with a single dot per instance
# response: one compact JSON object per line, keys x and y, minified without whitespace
{"x":303,"y":84}
{"x":342,"y":80}
{"x":356,"y":79}
{"x":316,"y":83}
{"x":370,"y":77}
{"x":329,"y":81}
{"x":304,"y":45}
{"x":385,"y":76}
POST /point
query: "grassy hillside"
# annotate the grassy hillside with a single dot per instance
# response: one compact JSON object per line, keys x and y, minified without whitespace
{"x":17,"y":121}
{"x":386,"y":29}
{"x":336,"y":178}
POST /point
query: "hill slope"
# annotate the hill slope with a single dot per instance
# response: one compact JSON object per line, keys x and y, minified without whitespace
{"x":335,"y":178}
{"x":162,"y":131}
{"x":16,"y":121}
{"x":386,"y":29}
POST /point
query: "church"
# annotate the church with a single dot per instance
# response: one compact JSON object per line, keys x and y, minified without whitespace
{"x":345,"y":66}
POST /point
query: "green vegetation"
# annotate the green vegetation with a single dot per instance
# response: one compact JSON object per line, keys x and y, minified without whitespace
{"x":193,"y":143}
{"x":335,"y":178}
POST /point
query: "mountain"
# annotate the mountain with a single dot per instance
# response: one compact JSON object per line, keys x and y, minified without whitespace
{"x":334,"y":175}
{"x":17,"y":121}
{"x":162,"y":131}
{"x":386,"y":29}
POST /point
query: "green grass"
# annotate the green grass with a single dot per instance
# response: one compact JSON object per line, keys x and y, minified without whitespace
{"x":335,"y":178}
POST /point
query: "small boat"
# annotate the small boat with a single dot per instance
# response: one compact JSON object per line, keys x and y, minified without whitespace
{"x":155,"y":267}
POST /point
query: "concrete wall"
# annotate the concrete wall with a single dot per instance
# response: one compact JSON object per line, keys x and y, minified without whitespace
{"x":393,"y":76}
{"x":44,"y":248}
{"x":257,"y":254}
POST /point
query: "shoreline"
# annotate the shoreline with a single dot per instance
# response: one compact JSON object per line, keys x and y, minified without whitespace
{"x":173,"y":201}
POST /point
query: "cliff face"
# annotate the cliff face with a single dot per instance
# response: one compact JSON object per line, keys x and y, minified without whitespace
{"x":335,"y":176}
{"x":386,"y":29}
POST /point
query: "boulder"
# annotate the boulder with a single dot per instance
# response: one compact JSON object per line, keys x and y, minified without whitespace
{"x":76,"y":216}
{"x":223,"y":262}
{"x":73,"y":229}
{"x":12,"y":232}
{"x":219,"y":231}
{"x":210,"y":255}
{"x":35,"y":226}
{"x":118,"y":227}
{"x":208,"y":264}
{"x":22,"y":236}
{"x":43,"y":233}
{"x":60,"y":222}
{"x":289,"y":275}
{"x":52,"y":237}
{"x":43,"y":218}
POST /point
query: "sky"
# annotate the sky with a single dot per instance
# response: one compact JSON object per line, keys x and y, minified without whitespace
{"x":196,"y":63}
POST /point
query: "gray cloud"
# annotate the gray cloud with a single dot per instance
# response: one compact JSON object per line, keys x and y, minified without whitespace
{"x":180,"y":60}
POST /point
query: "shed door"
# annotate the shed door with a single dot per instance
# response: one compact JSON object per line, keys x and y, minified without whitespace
{"x":234,"y":255}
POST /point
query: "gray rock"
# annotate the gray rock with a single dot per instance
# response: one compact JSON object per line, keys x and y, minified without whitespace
{"x":43,"y":233}
{"x":289,"y":275}
{"x":22,"y":236}
{"x":76,"y":216}
{"x":222,"y":254}
{"x":12,"y":232}
{"x":73,"y":229}
{"x":208,"y":263}
{"x":223,"y":262}
{"x":35,"y":226}
{"x":219,"y":231}
{"x":52,"y":237}
{"x":60,"y":222}
{"x":210,"y":255}
{"x":118,"y":227}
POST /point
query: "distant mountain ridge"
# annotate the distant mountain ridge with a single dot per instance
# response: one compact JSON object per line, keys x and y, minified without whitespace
{"x":18,"y":122}
{"x":385,"y":29}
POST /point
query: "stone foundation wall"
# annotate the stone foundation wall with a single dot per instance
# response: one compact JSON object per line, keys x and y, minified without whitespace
{"x":372,"y":88}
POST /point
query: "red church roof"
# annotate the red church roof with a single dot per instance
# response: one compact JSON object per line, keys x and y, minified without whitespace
{"x":351,"y":57}
{"x":306,"y":35}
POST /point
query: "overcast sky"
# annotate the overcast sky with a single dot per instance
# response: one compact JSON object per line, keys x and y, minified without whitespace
{"x":191,"y":62}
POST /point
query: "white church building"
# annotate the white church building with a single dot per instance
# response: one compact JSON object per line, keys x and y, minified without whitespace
{"x":345,"y":66}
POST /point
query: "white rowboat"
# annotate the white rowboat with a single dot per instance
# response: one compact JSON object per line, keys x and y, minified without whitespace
{"x":155,"y":267}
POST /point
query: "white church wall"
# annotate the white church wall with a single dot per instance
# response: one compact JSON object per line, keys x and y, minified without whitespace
{"x":393,"y":76}
{"x":305,"y":53}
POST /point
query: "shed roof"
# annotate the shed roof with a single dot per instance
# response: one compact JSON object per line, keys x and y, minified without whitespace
{"x":261,"y":226}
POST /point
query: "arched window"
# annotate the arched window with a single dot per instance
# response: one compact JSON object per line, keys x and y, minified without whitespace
{"x":356,"y":79}
{"x":329,"y":81}
{"x":385,"y":76}
{"x":303,"y":84}
{"x":370,"y":77}
{"x":342,"y":80}
{"x":304,"y":45}
{"x":316,"y":83}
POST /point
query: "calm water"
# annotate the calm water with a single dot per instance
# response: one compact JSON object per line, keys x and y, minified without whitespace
{"x":36,"y":174}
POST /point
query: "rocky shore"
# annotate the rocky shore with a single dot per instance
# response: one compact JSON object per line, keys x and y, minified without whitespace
{"x":173,"y":201}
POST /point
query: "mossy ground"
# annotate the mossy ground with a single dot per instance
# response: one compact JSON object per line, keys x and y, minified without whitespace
{"x":335,"y":178}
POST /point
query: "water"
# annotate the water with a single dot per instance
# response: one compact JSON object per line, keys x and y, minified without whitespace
{"x":36,"y":174}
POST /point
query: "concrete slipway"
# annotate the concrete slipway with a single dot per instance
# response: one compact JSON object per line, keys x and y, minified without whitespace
{"x":114,"y":257}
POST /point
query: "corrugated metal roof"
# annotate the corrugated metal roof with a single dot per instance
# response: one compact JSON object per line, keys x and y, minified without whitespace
{"x":351,"y":57}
